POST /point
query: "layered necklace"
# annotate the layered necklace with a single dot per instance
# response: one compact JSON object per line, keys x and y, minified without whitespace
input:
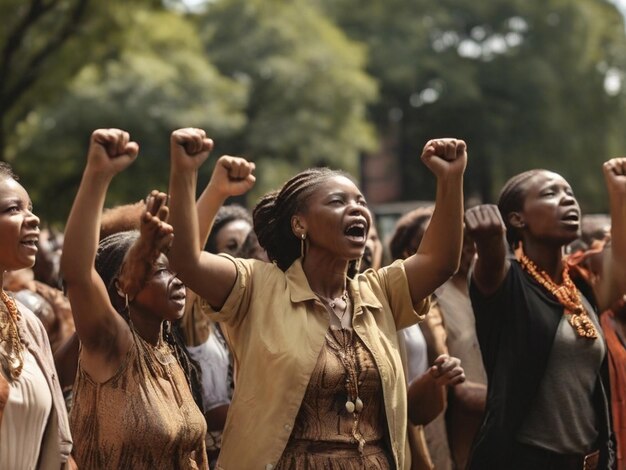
{"x":342,"y":344}
{"x":11,"y":347}
{"x":567,"y":295}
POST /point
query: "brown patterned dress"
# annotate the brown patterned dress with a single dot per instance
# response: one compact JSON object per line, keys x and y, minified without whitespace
{"x":325,"y":436}
{"x":144,"y":417}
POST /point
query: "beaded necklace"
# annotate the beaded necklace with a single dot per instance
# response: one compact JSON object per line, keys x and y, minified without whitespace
{"x":11,"y":347}
{"x":567,"y":294}
{"x":342,"y":342}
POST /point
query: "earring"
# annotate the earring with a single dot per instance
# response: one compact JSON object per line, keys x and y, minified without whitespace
{"x":357,"y":266}
{"x":302,"y":245}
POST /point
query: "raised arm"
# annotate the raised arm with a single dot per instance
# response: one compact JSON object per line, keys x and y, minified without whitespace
{"x":210,"y":276}
{"x":484,"y":224}
{"x":98,"y":325}
{"x":438,"y":255}
{"x":615,"y":177}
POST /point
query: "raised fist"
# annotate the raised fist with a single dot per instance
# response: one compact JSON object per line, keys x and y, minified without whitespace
{"x":232,"y":176}
{"x":189,"y":148}
{"x":111,"y":151}
{"x":445,"y":157}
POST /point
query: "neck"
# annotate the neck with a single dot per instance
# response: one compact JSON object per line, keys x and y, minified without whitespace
{"x":327,"y":275}
{"x":150,"y":329}
{"x":547,"y":258}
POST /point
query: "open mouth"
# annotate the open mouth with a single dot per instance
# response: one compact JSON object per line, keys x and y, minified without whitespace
{"x":357,"y":232}
{"x":30,"y":242}
{"x":571,"y":216}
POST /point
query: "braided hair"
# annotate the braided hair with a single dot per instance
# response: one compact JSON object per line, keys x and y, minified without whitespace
{"x":409,"y":226}
{"x":272,"y":216}
{"x":109,"y":258}
{"x":512,"y":199}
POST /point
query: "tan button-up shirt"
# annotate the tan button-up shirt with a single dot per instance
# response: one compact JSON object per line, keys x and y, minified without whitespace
{"x":276,"y":326}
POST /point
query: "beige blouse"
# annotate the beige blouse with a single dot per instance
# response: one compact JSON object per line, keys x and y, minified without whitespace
{"x":143,"y":417}
{"x":25,"y":417}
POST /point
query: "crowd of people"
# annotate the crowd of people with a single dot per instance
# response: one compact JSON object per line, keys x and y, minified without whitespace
{"x":184,"y":333}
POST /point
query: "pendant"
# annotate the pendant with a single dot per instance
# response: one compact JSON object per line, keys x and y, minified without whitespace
{"x":350,"y":407}
{"x":358,"y":405}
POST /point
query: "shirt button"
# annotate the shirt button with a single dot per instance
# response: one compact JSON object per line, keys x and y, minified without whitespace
{"x":269,"y":466}
{"x":287,"y":427}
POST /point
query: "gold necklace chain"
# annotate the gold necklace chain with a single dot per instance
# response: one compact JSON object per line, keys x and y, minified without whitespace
{"x":332,"y":303}
{"x":567,"y":295}
{"x":10,"y":340}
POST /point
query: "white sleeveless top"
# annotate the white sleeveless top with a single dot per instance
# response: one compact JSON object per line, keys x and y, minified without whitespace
{"x":25,"y":417}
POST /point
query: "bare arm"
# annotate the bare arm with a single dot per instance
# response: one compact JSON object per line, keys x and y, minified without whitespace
{"x":438,"y":255}
{"x":615,"y":176}
{"x":484,"y":224}
{"x":427,"y":393}
{"x":211,"y":277}
{"x":471,"y":396}
{"x":98,"y":325}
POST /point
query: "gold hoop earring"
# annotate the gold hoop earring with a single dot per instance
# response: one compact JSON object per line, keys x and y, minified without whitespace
{"x":302,"y":245}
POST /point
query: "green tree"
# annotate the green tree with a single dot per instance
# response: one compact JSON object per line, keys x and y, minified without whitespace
{"x":158,"y":81}
{"x":43,"y":43}
{"x":308,"y":88}
{"x":522,"y":82}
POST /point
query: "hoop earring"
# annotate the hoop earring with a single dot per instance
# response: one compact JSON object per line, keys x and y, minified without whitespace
{"x":302,"y":245}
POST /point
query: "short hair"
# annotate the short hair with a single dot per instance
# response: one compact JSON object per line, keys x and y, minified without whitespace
{"x":6,"y":171}
{"x":511,"y":199}
{"x":226,"y":215}
{"x":407,"y":228}
{"x":121,"y":218}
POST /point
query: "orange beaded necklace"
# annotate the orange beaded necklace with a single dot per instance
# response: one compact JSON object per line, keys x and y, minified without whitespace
{"x":11,"y":347}
{"x":567,"y":294}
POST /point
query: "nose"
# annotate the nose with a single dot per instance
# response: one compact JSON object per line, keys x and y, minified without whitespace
{"x":359,"y":209}
{"x":568,"y":199}
{"x":31,"y":219}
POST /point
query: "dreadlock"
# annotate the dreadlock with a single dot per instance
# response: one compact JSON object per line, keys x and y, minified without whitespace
{"x":272,"y":216}
{"x":409,"y":226}
{"x":109,"y":258}
{"x":512,"y":199}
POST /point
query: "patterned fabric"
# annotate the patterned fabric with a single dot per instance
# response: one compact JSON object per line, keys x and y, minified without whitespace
{"x":323,"y":435}
{"x":143,"y":417}
{"x":276,"y":327}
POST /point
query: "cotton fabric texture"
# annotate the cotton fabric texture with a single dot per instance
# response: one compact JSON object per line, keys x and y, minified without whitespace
{"x":516,"y":327}
{"x":56,"y":443}
{"x":142,"y":417}
{"x":276,"y":327}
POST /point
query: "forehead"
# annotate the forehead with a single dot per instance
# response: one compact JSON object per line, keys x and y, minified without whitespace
{"x":9,"y":188}
{"x":336,"y":184}
{"x":545,"y":179}
{"x":238,"y":225}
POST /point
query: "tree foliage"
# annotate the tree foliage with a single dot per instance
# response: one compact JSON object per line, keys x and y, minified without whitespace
{"x":308,"y":82}
{"x":158,"y":81}
{"x":308,"y":89}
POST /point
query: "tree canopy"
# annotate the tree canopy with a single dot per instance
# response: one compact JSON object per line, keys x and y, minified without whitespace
{"x":302,"y":83}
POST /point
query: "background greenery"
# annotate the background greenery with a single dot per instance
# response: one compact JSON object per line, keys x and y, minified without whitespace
{"x":297,"y":83}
